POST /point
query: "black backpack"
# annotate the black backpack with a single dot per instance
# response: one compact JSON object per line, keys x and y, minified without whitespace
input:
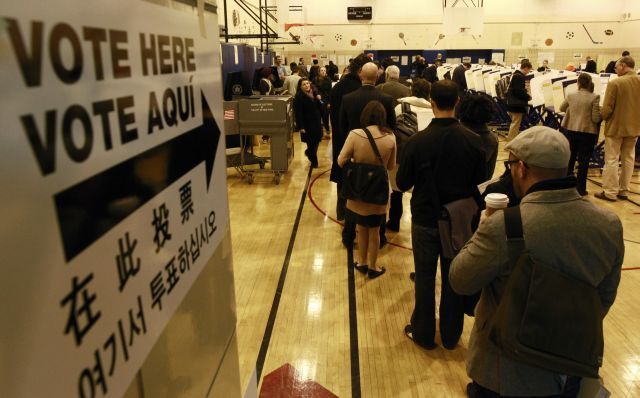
{"x":406,"y":126}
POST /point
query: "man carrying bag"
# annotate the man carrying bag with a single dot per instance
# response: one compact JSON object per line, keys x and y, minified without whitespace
{"x":443,"y":163}
{"x":566,"y":248}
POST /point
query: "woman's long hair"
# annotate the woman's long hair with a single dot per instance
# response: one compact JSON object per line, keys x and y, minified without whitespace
{"x":374,"y":114}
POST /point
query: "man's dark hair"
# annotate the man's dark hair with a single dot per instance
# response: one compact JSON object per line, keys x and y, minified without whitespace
{"x":475,"y":109}
{"x":467,"y":65}
{"x":386,"y":62}
{"x":265,"y":72}
{"x":625,"y":53}
{"x":525,"y":63}
{"x":315,"y":62}
{"x":374,"y":114}
{"x":421,"y":88}
{"x":585,"y":81}
{"x":445,"y":94}
{"x":357,"y":63}
{"x":294,"y":67}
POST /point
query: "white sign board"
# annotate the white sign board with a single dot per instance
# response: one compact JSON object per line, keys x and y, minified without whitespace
{"x":113,"y":187}
{"x":549,"y":56}
{"x":404,"y":60}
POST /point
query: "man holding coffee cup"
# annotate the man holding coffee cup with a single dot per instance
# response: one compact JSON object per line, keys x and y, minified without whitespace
{"x":561,"y":230}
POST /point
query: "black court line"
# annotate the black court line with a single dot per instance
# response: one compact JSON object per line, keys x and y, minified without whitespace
{"x":353,"y":329}
{"x":266,"y":339}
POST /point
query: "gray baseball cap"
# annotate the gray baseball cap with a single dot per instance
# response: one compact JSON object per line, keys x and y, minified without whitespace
{"x":541,"y":146}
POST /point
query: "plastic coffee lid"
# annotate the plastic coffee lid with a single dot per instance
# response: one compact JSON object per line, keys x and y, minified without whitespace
{"x":497,"y":200}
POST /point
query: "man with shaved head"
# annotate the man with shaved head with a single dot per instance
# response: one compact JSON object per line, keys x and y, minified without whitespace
{"x":352,"y":106}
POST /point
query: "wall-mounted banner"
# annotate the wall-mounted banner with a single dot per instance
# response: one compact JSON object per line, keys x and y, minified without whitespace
{"x":112,"y":185}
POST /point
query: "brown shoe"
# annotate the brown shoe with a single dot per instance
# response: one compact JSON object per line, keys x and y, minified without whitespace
{"x":602,"y":196}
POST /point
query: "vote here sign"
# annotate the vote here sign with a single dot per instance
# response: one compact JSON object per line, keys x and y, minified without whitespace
{"x":112,"y":186}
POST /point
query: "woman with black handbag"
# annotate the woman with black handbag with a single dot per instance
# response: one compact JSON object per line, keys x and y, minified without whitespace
{"x":309,"y":118}
{"x":372,"y":148}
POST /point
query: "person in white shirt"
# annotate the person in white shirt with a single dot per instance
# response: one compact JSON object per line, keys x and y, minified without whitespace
{"x":419,"y":102}
{"x":291,"y":81}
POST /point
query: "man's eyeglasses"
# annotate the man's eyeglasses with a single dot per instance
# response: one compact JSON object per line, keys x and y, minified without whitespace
{"x":508,"y":163}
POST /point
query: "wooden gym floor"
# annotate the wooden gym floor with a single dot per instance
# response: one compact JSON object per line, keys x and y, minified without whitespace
{"x":293,"y":298}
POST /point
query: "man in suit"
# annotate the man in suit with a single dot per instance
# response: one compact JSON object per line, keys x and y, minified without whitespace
{"x":459,"y":78}
{"x":551,"y":209}
{"x":352,"y":106}
{"x":621,"y":130}
{"x":347,"y":84}
{"x":392,"y":86}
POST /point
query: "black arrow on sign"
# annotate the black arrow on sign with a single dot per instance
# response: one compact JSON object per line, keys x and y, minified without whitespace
{"x":89,"y":209}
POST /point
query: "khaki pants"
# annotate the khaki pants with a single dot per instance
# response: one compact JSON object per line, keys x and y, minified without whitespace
{"x":514,"y":128}
{"x":616,"y":149}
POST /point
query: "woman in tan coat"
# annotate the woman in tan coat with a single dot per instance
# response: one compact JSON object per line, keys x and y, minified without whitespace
{"x":369,"y":217}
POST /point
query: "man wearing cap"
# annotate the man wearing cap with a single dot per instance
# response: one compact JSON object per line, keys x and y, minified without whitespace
{"x":561,"y":230}
{"x":620,"y":111}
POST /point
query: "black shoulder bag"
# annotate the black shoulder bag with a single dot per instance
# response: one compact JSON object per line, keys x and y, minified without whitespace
{"x":366,"y":182}
{"x":545,"y":318}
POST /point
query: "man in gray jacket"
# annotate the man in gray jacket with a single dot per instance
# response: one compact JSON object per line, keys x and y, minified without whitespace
{"x":561,"y":230}
{"x":392,"y":86}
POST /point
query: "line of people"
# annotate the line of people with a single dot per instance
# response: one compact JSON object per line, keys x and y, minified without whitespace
{"x":444,"y":162}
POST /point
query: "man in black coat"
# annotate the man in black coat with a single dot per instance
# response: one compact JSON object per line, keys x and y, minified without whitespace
{"x":352,"y":106}
{"x":442,"y":163}
{"x":431,"y":73}
{"x":591,"y":66}
{"x":459,"y":78}
{"x":349,"y":83}
{"x":517,"y":98}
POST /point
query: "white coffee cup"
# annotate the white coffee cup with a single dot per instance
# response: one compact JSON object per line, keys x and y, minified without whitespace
{"x":496,"y":201}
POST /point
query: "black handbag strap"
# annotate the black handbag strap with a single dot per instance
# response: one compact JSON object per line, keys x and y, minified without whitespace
{"x":514,"y":232}
{"x":406,"y":107}
{"x":373,"y":145}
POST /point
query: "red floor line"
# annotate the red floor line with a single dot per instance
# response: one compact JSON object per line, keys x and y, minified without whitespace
{"x":313,"y":202}
{"x":324,"y":213}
